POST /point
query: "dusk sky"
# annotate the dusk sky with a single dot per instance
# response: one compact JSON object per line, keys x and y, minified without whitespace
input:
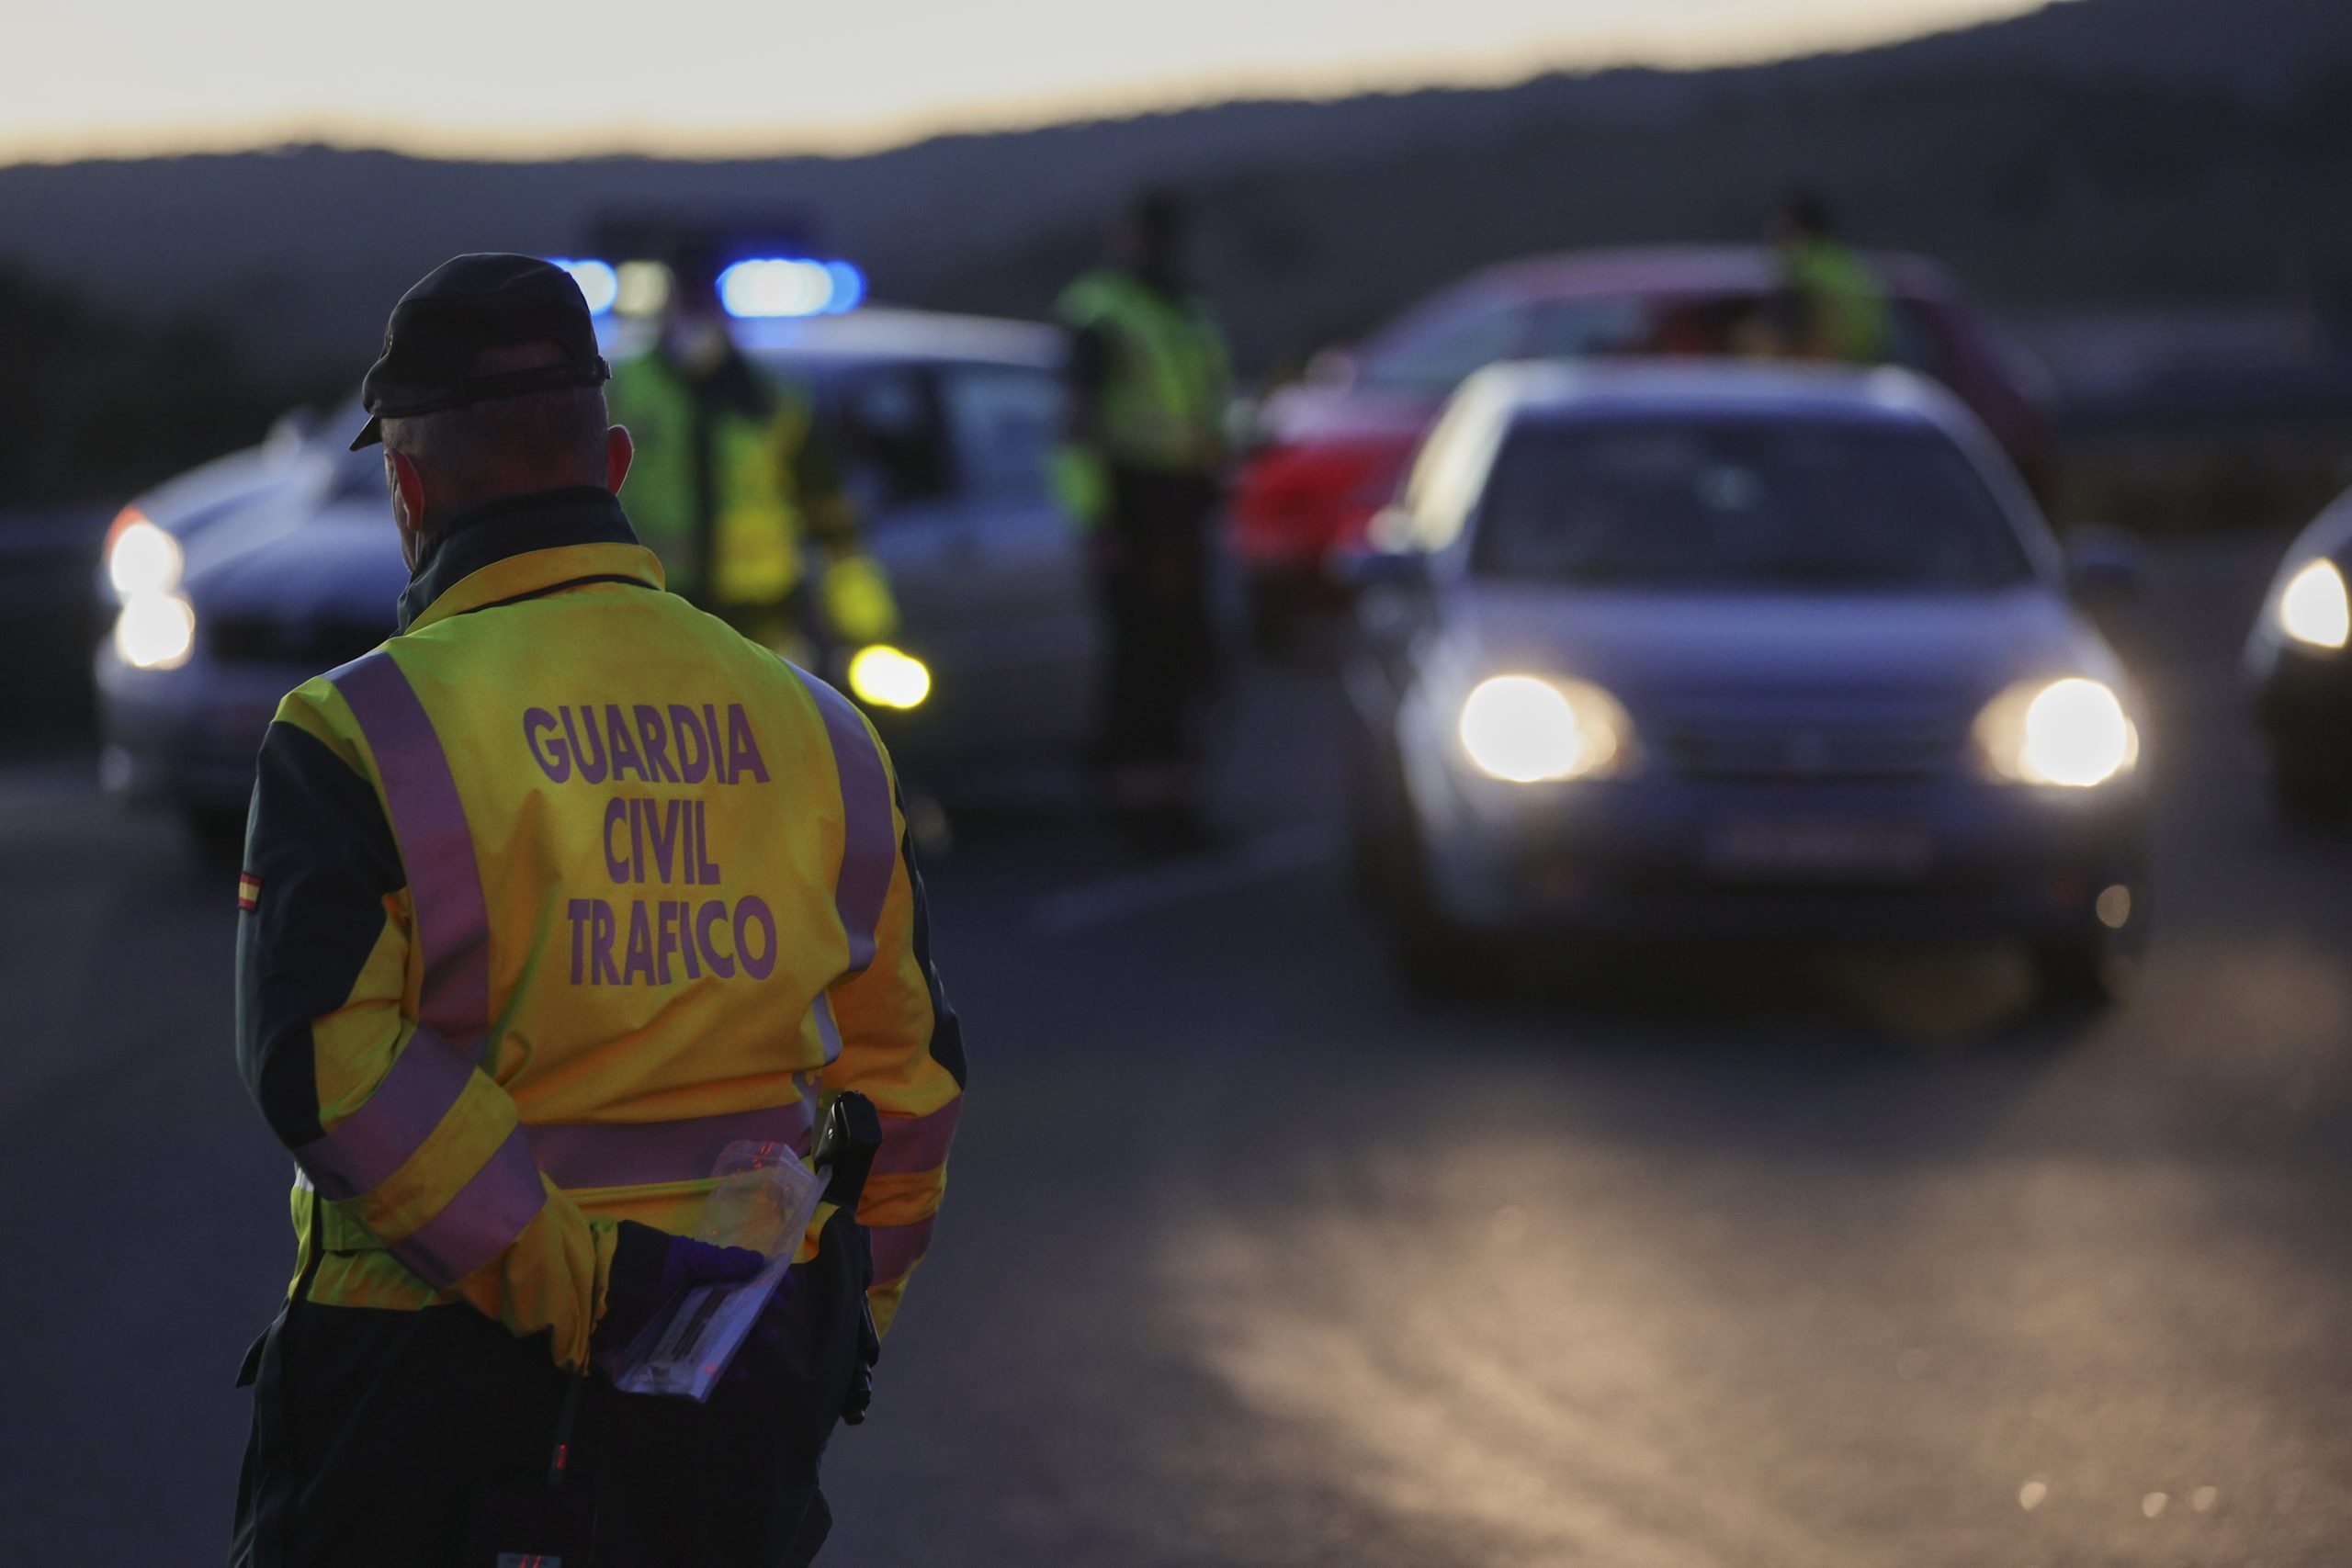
{"x":483,"y":78}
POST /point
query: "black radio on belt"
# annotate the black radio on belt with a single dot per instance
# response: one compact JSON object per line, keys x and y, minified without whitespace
{"x":851,"y":1137}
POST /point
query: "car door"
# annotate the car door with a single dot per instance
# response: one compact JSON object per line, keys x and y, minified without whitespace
{"x":1034,"y":646}
{"x":898,"y":467}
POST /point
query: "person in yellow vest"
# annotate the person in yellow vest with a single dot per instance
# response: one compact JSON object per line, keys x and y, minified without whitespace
{"x":1142,"y":469}
{"x":736,"y":489}
{"x":1833,"y":306}
{"x":549,"y":902}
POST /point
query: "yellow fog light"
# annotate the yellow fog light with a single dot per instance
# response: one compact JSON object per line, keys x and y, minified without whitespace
{"x":2314,"y":609}
{"x":156,"y":631}
{"x":886,"y":678}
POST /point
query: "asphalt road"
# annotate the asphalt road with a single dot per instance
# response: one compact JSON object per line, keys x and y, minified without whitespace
{"x":1792,"y":1259}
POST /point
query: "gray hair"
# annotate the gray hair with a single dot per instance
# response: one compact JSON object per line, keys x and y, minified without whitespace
{"x":507,"y":445}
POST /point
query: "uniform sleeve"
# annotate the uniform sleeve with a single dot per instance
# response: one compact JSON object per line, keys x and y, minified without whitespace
{"x":903,"y":1048}
{"x":410,"y":1145}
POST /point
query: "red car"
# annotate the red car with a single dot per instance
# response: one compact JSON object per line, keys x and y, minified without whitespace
{"x":1334,"y":446}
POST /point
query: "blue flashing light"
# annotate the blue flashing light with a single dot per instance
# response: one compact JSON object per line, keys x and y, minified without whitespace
{"x":790,"y":287}
{"x":599,"y":284}
{"x":776,"y":286}
{"x":849,"y":288}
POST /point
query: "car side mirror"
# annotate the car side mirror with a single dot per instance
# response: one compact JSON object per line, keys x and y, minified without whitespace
{"x":1389,"y":590}
{"x":2104,"y":565}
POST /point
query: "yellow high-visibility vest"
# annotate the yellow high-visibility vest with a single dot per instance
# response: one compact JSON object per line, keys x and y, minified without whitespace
{"x":1169,"y":380}
{"x":655,"y":902}
{"x":1850,"y":318}
{"x":755,"y":523}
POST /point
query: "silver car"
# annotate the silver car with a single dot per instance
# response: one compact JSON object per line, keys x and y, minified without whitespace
{"x":234,"y":584}
{"x":1740,"y":651}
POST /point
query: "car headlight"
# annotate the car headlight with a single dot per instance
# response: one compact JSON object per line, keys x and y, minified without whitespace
{"x":156,"y":631}
{"x":1525,"y":729}
{"x":2313,"y":607}
{"x":884,"y":677}
{"x":2072,"y":732}
{"x":141,"y":557}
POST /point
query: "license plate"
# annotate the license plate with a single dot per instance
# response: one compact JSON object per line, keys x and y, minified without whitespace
{"x":1829,"y":849}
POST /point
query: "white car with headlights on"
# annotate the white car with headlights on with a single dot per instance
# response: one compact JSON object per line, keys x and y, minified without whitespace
{"x":2302,"y":672}
{"x":236,"y":583}
{"x":1737,"y":649}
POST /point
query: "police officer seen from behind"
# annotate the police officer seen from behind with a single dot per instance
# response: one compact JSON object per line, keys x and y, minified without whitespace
{"x":547,"y":901}
{"x":1142,"y":470}
{"x":1832,"y":307}
{"x":737,"y":489}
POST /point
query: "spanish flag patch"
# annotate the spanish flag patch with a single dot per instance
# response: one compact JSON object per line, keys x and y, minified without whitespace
{"x":248,"y":891}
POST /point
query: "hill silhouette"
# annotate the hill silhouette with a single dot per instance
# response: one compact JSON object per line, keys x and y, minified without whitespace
{"x":2092,"y":151}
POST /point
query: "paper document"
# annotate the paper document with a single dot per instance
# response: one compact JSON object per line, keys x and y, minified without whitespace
{"x":764,"y":1201}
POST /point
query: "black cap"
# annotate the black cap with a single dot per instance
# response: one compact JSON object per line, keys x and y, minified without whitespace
{"x":468,"y":305}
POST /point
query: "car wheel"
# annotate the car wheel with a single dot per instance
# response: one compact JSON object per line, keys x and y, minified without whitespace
{"x":2310,"y":790}
{"x":1438,"y":957}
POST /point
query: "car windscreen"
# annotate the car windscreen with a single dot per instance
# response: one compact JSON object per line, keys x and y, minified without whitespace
{"x":1005,"y":421}
{"x":1734,"y":504}
{"x":1432,"y":352}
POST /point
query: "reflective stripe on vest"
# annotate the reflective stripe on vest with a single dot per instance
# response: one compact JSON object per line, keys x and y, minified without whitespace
{"x":578,"y":1155}
{"x":828,"y":1031}
{"x":436,"y":848}
{"x":482,"y":1221}
{"x":869,"y":836}
{"x":897,"y":1249}
{"x":488,"y":1212}
{"x":376,"y":1140}
{"x":917,"y":1142}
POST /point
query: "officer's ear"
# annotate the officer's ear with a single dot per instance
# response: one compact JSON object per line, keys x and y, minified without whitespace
{"x":619,"y":450}
{"x":406,"y":484}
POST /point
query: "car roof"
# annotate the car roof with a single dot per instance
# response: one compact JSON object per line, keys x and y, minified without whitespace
{"x":1716,"y":388}
{"x":1686,"y":271}
{"x":877,"y":335}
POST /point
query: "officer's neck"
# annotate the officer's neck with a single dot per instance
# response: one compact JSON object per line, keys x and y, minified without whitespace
{"x":473,"y":514}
